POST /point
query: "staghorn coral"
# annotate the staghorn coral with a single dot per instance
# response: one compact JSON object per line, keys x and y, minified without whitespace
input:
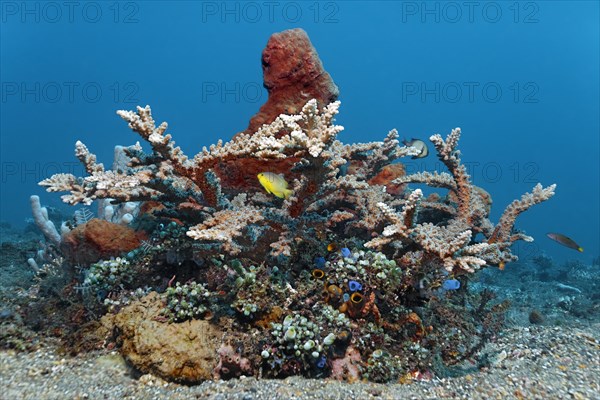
{"x":451,"y":244}
{"x":503,"y":232}
{"x":223,"y":226}
{"x":167,"y":176}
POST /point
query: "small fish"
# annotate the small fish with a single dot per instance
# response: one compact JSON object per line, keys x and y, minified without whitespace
{"x":451,"y":284}
{"x":332,"y":247}
{"x":274,"y":184}
{"x":565,"y":241}
{"x":419,"y":145}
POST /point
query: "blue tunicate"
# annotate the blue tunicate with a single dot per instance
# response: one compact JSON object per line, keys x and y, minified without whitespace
{"x":354,"y":286}
{"x":321,"y":362}
{"x":451,"y":284}
{"x":320,"y":262}
{"x":346,"y":252}
{"x":346,"y":297}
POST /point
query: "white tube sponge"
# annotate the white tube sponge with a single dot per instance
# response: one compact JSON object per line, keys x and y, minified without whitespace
{"x":109,"y":212}
{"x":126,"y":219}
{"x":33,"y":264}
{"x":40,"y":216}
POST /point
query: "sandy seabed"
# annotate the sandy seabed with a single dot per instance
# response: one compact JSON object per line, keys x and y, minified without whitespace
{"x":536,"y":362}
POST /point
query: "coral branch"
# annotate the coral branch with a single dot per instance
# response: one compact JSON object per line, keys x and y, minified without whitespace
{"x":448,"y":154}
{"x":224,"y":226}
{"x":503,"y":231}
{"x":450,"y":244}
{"x":435,"y":179}
{"x":402,"y":223}
{"x":87,"y":159}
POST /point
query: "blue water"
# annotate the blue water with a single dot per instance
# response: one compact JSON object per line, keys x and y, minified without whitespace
{"x":520,"y":79}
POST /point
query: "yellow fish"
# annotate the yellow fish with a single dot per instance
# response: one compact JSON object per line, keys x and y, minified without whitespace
{"x":274,"y":184}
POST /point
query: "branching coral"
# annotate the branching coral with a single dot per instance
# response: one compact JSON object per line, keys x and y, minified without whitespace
{"x":99,"y":184}
{"x":451,"y":244}
{"x":504,"y":230}
{"x":309,"y":138}
{"x":323,"y":195}
{"x":223,"y":226}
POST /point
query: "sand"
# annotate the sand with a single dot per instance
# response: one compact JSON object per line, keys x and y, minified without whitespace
{"x":535,"y":362}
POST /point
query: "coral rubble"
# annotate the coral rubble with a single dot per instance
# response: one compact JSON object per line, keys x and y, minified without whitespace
{"x":351,"y":276}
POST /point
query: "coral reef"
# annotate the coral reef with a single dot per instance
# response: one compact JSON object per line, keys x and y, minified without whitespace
{"x":186,"y":302}
{"x":351,"y":276}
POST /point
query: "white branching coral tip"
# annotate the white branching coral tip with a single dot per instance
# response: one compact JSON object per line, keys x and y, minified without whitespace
{"x":402,"y":223}
{"x":226,"y":225}
{"x":87,"y":159}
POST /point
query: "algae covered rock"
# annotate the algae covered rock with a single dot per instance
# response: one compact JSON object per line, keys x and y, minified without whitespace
{"x":182,"y":352}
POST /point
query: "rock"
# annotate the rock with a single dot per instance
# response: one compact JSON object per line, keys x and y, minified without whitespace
{"x":536,"y":317}
{"x":292,"y":74}
{"x":183,"y":352}
{"x":97,"y":240}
